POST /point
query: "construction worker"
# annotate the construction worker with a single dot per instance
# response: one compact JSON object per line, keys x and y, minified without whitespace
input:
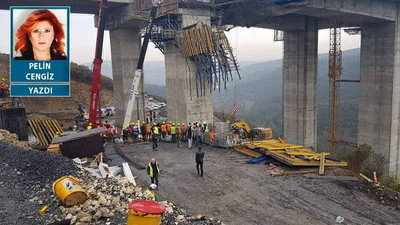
{"x":199,"y":161}
{"x":163,"y":129}
{"x":148,"y":131}
{"x":4,"y":87}
{"x":173,"y":133}
{"x":57,"y":135}
{"x":125,"y":133}
{"x":178,"y":134}
{"x":89,"y":127}
{"x":183,"y":128}
{"x":212,"y":136}
{"x":153,"y":170}
{"x":155,"y":132}
{"x":143,"y":130}
{"x":130,"y":129}
{"x":204,"y":127}
{"x":169,"y":127}
{"x":197,"y":135}
{"x":135,"y":132}
{"x":189,"y":135}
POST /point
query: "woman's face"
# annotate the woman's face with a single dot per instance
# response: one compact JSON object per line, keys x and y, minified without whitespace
{"x":42,"y":36}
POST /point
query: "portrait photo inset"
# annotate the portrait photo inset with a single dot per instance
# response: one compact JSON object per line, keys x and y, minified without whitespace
{"x":40,"y":37}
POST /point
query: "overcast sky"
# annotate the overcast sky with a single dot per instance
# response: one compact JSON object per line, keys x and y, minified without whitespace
{"x":250,"y":44}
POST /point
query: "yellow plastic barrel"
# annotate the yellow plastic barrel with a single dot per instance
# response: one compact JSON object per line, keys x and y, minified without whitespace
{"x":69,"y":190}
{"x":145,"y":213}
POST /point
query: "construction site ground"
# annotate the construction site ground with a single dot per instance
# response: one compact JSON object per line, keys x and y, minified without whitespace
{"x":240,"y":193}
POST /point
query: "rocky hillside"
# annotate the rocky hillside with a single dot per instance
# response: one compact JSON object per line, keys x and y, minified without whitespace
{"x":64,"y":109}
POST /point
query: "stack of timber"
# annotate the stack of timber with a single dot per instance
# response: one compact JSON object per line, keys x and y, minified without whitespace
{"x":289,"y":154}
{"x":44,"y":130}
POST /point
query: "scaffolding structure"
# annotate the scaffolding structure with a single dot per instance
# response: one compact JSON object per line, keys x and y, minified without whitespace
{"x":335,"y":73}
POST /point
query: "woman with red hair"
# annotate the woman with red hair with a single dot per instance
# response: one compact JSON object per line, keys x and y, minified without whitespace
{"x":40,"y":37}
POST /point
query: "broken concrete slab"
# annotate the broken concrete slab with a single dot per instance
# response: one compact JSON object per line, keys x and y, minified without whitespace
{"x":128,"y":173}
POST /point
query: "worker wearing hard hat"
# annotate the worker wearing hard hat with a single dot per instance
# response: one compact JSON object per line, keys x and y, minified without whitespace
{"x":135,"y":130}
{"x":197,"y":135}
{"x":173,"y":133}
{"x":130,"y":129}
{"x":163,"y":129}
{"x":169,"y":127}
{"x":125,"y":133}
{"x":178,"y":134}
{"x":57,"y":135}
{"x":190,"y":135}
{"x":184,"y":129}
{"x":143,"y":130}
{"x":89,"y":127}
{"x":148,"y":131}
{"x":211,"y":136}
{"x":204,"y":128}
{"x":155,"y":133}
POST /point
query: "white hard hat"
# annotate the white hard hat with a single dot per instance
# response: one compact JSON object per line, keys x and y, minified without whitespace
{"x":204,"y":122}
{"x":153,"y":186}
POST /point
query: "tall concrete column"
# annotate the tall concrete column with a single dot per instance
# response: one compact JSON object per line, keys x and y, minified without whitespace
{"x":378,"y":122}
{"x":125,"y":48}
{"x":183,"y":105}
{"x":300,"y":85}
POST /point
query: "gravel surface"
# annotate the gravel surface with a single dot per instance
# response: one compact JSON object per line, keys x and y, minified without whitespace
{"x":26,"y":178}
{"x":240,"y":193}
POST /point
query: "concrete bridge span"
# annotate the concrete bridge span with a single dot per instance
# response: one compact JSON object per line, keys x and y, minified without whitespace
{"x":379,"y":21}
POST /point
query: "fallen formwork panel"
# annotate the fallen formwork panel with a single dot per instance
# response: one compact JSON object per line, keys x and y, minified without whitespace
{"x":44,"y":130}
{"x":82,"y":144}
{"x":292,"y":155}
{"x":247,"y":152}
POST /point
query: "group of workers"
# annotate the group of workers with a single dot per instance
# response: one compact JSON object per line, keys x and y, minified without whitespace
{"x":179,"y":132}
{"x":155,"y":132}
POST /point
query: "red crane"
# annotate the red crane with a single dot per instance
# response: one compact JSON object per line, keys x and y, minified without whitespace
{"x":96,"y":87}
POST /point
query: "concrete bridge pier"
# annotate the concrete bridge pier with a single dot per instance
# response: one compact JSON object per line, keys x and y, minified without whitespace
{"x":125,"y":48}
{"x":300,"y":84}
{"x":378,"y":122}
{"x":183,"y":105}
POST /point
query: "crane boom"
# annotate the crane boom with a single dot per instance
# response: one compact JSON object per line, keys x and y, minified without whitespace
{"x":95,"y":91}
{"x":138,"y":73}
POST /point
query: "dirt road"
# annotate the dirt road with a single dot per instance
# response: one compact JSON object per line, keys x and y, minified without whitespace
{"x":241,"y":193}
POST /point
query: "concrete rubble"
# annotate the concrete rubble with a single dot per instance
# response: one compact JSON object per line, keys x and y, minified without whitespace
{"x":12,"y":139}
{"x":32,"y":173}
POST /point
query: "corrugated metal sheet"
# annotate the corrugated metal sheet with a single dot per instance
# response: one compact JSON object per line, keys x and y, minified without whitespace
{"x":14,"y":120}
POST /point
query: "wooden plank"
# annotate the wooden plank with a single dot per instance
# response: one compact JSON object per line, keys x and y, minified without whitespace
{"x":276,"y":174}
{"x":34,"y":131}
{"x":45,"y":131}
{"x":42,"y":139}
{"x":52,"y":129}
{"x":247,"y":152}
{"x":58,"y":126}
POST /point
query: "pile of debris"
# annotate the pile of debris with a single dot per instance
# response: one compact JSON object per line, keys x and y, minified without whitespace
{"x":12,"y":139}
{"x":26,"y":188}
{"x":109,"y":199}
{"x":26,"y":184}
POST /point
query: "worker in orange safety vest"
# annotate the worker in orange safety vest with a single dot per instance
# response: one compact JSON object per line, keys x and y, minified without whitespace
{"x":163,"y":129}
{"x":183,"y":128}
{"x":148,"y":131}
{"x":169,"y":127}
